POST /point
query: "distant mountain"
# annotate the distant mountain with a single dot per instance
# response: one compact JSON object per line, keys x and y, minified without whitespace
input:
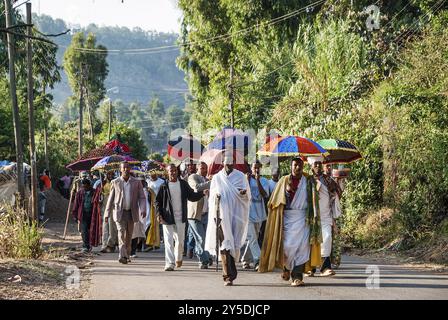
{"x":140,"y":76}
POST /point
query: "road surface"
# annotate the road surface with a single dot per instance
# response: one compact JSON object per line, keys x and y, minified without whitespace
{"x":144,"y":278}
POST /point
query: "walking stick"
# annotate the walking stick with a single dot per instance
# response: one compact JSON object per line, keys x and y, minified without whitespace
{"x":75,"y":181}
{"x":217,"y":201}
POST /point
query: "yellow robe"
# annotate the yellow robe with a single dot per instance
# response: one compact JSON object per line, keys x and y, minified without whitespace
{"x":272,"y":255}
{"x":153,"y":238}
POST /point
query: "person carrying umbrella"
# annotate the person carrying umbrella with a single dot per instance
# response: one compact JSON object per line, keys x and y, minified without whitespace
{"x":292,"y":235}
{"x":329,"y":193}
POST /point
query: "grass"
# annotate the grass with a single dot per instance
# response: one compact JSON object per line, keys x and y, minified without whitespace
{"x":20,"y":237}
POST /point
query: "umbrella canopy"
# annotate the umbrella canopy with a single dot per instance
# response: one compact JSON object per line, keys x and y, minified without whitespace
{"x":214,"y":159}
{"x":113,"y":162}
{"x":233,"y":139}
{"x":292,"y":146}
{"x":185,"y":147}
{"x":117,"y":147}
{"x":91,"y":157}
{"x":340,"y":152}
{"x":152,"y":165}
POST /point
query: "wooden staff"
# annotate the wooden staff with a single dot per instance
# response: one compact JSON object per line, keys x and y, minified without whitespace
{"x":218,"y":220}
{"x":75,"y":181}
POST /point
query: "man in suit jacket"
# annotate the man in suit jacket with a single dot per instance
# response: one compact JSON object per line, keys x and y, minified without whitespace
{"x":126,"y":201}
{"x":197,"y":212}
{"x":171,"y":210}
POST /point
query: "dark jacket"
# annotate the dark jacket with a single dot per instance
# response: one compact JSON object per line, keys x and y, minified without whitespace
{"x":163,"y":204}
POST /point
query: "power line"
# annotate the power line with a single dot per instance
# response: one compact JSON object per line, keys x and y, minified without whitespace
{"x":221,"y":37}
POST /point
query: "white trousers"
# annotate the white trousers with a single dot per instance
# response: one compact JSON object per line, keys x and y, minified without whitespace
{"x":325,"y":249}
{"x":173,"y":237}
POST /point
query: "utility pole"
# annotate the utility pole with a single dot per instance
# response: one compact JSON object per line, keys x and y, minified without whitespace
{"x":47,"y":162}
{"x":81,"y":102}
{"x":33,"y":209}
{"x":89,"y":111}
{"x":15,"y":107}
{"x":109,"y":132}
{"x":232,"y":117}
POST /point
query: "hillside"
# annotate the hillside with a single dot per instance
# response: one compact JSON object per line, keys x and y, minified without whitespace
{"x":140,"y":76}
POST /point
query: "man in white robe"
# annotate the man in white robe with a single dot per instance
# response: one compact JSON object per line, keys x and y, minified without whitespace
{"x":329,"y":211}
{"x":234,"y":191}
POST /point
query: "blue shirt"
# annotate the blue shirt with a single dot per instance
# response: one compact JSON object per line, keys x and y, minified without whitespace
{"x":257,"y":210}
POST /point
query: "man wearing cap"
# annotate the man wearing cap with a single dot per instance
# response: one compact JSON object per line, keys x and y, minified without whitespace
{"x":292,"y":231}
{"x":328,"y":192}
{"x":233,"y":190}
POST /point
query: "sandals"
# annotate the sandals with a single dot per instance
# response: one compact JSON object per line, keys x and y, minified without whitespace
{"x":286,"y":275}
{"x":327,"y":273}
{"x":297,"y":283}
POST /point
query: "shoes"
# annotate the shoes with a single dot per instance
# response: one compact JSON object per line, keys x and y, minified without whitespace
{"x":286,"y":275}
{"x":129,"y":260}
{"x":123,"y":260}
{"x":178,"y":264}
{"x":246,"y":266}
{"x":203,"y":266}
{"x":85,"y":250}
{"x":309,"y":274}
{"x":327,"y":273}
{"x":228,"y":283}
{"x":107,"y":250}
{"x":210,"y":262}
{"x":134,"y":256}
{"x":190,"y":254}
{"x":297,"y":283}
{"x":257,"y":265}
{"x":169,"y":268}
{"x":147,"y":249}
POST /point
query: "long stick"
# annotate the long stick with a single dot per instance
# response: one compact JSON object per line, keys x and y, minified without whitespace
{"x":218,"y":198}
{"x":75,"y":181}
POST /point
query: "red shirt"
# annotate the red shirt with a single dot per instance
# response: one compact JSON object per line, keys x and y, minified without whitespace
{"x":47,"y":181}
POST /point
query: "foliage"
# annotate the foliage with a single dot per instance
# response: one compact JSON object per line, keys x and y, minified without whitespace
{"x":19,"y":237}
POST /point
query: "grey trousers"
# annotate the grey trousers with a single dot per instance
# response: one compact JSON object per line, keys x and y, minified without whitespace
{"x":110,"y":232}
{"x":125,"y":228}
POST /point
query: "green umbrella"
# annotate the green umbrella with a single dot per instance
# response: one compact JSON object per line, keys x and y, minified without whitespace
{"x":340,"y":152}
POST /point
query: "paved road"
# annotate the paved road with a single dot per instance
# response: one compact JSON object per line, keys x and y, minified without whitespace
{"x":144,"y":279}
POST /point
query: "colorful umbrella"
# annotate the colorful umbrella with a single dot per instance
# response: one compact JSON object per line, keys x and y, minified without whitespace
{"x":137,"y":170}
{"x":214,"y":158}
{"x":292,"y":146}
{"x":113,"y":162}
{"x":117,"y":147}
{"x":185,"y":147}
{"x":233,"y":139}
{"x":152,"y":165}
{"x":340,"y":152}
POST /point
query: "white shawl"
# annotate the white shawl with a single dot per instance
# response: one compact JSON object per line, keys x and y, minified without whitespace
{"x":234,"y":212}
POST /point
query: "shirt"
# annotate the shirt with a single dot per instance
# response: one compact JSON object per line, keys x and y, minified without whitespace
{"x":176,"y":199}
{"x":67,"y":181}
{"x":272,"y":185}
{"x":87,"y":205}
{"x":154,"y":185}
{"x":257,"y":211}
{"x":127,"y":194}
{"x":46,"y":180}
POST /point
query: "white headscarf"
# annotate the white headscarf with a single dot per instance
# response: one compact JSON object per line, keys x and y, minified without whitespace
{"x":312,"y":160}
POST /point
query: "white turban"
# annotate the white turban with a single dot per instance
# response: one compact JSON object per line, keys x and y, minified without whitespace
{"x":312,"y":160}
{"x":228,"y":158}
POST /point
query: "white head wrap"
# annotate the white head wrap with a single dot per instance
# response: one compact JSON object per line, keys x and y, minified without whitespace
{"x":312,"y":160}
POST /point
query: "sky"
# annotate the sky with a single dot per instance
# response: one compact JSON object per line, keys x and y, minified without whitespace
{"x":159,"y":15}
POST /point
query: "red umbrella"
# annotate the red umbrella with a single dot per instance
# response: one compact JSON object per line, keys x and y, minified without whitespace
{"x":214,"y":158}
{"x":117,"y":147}
{"x":185,"y":147}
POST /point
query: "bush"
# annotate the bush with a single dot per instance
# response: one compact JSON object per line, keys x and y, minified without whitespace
{"x":19,"y":237}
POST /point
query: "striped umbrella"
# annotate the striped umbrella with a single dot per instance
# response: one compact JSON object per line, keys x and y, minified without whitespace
{"x":288,"y":146}
{"x":185,"y":147}
{"x":340,"y":152}
{"x":113,"y":162}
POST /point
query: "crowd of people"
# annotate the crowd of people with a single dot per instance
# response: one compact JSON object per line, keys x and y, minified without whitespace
{"x":284,"y":222}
